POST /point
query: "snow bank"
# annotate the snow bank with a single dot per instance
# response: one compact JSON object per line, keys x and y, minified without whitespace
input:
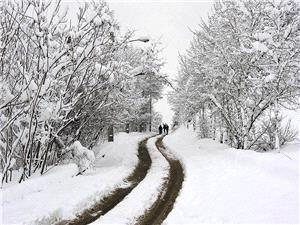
{"x":142,"y":196}
{"x":225,"y":185}
{"x":59,"y":194}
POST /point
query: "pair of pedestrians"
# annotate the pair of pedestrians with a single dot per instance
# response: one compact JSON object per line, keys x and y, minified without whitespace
{"x":164,"y":128}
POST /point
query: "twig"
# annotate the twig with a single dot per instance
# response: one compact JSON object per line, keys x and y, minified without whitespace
{"x":286,"y":156}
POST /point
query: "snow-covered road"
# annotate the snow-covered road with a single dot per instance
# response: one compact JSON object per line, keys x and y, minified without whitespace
{"x":225,"y":185}
{"x":144,"y":195}
{"x":221,"y":185}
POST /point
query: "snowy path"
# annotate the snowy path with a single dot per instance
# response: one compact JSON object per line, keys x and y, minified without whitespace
{"x":153,"y":199}
{"x":144,"y":195}
{"x":117,"y":195}
{"x":170,"y":191}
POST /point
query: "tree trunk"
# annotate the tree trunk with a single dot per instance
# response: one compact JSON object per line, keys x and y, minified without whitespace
{"x":276,"y":132}
{"x":245,"y":130}
{"x":44,"y":163}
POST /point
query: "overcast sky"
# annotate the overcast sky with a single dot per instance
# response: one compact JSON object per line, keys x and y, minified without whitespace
{"x":168,"y":21}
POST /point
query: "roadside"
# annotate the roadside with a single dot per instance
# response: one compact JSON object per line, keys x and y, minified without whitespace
{"x":225,"y":185}
{"x":60,"y":195}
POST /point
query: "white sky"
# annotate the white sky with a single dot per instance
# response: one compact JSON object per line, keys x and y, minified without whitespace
{"x":168,"y":21}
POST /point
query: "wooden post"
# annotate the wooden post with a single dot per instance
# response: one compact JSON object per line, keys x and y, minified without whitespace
{"x":110,"y":133}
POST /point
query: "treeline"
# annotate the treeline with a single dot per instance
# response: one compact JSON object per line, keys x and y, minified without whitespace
{"x":64,"y":80}
{"x":242,"y":68}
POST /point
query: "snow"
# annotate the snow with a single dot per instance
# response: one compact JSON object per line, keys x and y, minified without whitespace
{"x":270,"y":78}
{"x":12,"y":163}
{"x":259,"y":46}
{"x":146,"y":192}
{"x":98,"y":67}
{"x":47,"y":110}
{"x":83,"y":157}
{"x":225,"y":185}
{"x":33,"y":86}
{"x":263,"y":36}
{"x":294,"y":117}
{"x":45,"y":86}
{"x":137,"y":70}
{"x":61,"y":194}
{"x":97,"y":20}
{"x":222,"y":185}
{"x":5,"y":95}
{"x":79,"y":50}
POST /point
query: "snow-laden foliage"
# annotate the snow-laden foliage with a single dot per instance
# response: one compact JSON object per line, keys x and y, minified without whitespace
{"x":65,"y":80}
{"x":242,"y":66}
{"x":81,"y":156}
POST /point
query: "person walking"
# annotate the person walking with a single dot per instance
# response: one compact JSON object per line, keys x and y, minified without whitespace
{"x":160,"y":129}
{"x":164,"y":127}
{"x":167,"y":128}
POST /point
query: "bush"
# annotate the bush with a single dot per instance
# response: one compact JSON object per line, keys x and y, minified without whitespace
{"x":266,"y":141}
{"x":81,"y":156}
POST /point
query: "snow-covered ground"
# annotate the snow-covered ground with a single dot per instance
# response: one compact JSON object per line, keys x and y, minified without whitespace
{"x":225,"y":185}
{"x":222,"y":185}
{"x":60,"y":194}
{"x":144,"y":195}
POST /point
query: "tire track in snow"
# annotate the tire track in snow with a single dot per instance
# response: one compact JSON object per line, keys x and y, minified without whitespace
{"x":166,"y":199}
{"x":144,"y":195}
{"x":116,"y":196}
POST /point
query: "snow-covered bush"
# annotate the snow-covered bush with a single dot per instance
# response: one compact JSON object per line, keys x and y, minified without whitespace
{"x":266,"y":141}
{"x":81,"y":156}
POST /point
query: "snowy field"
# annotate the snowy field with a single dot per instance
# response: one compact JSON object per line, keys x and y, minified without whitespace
{"x":225,"y":185}
{"x":61,"y":194}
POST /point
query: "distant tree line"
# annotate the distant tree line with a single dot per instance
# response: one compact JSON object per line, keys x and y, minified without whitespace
{"x":63,"y":81}
{"x":242,"y":68}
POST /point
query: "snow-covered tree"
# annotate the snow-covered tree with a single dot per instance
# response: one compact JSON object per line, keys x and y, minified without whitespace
{"x":244,"y":61}
{"x":63,"y":80}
